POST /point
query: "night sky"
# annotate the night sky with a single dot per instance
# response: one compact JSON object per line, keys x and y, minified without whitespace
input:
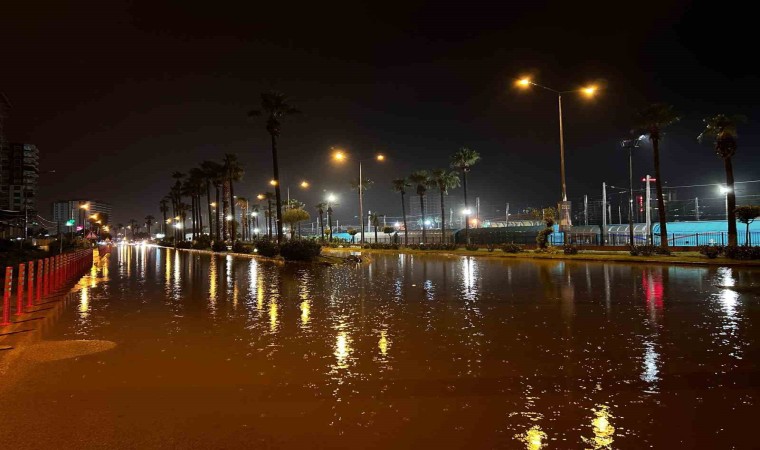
{"x":118,"y":95}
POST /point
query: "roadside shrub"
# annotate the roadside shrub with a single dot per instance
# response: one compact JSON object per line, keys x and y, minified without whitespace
{"x":511,"y":248}
{"x":185,"y":244}
{"x":711,"y":251}
{"x":219,"y":246}
{"x":448,"y":247}
{"x":202,"y":243}
{"x":471,"y":247}
{"x":491,"y":247}
{"x":542,"y":238}
{"x":265,"y":247}
{"x":239,"y":247}
{"x":382,"y":246}
{"x":548,"y":249}
{"x":300,"y":250}
{"x":742,"y":252}
{"x":662,"y":251}
{"x":649,"y":250}
{"x":571,"y":250}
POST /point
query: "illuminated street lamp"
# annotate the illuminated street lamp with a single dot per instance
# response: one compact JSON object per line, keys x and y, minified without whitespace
{"x":589,"y":91}
{"x":304,"y":184}
{"x":273,"y":182}
{"x":725,"y":190}
{"x":340,"y":156}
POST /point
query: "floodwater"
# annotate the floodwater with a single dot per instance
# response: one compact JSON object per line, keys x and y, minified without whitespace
{"x":196,"y":351}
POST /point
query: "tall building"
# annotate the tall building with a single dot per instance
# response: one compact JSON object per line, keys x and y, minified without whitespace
{"x":80,"y":210}
{"x":19,"y":171}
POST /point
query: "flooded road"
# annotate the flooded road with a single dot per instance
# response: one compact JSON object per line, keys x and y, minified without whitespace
{"x":200,"y":351}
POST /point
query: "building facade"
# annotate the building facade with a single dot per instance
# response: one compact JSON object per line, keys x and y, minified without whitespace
{"x":19,"y":171}
{"x":80,"y":211}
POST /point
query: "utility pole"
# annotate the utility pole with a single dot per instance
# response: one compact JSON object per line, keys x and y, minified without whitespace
{"x":696,"y":208}
{"x":604,"y":213}
{"x":506,"y":224}
{"x":585,"y":209}
{"x":648,"y":212}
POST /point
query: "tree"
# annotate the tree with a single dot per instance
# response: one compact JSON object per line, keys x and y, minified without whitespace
{"x":352,"y":232}
{"x":164,"y":208}
{"x":242,"y":202}
{"x":389,"y":231}
{"x":722,"y":129}
{"x":651,"y":121}
{"x":548,"y":215}
{"x":374,"y":219}
{"x":421,"y":178}
{"x":444,"y":180}
{"x":149,"y":222}
{"x":133,"y":227}
{"x":294,"y":216}
{"x":463,"y":160}
{"x":269,"y":196}
{"x":210,"y":171}
{"x":232,"y":172}
{"x":746,"y":215}
{"x":321,"y":207}
{"x":275,"y":106}
{"x":399,"y":186}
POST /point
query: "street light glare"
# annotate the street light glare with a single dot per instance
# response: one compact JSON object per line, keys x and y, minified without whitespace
{"x":260,"y":197}
{"x":304,"y":184}
{"x":339,"y":155}
{"x":380,"y":157}
{"x":724,"y":189}
{"x":273,"y":182}
{"x":590,"y":90}
{"x":331,"y":198}
{"x":524,"y":82}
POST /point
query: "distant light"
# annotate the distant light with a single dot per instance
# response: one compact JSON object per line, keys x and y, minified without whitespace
{"x":397,"y":225}
{"x":304,"y":184}
{"x":650,"y":179}
{"x":331,"y":198}
{"x":177,"y":218}
{"x":229,"y":217}
{"x":524,"y":82}
{"x":254,"y":214}
{"x":724,"y":189}
{"x":474,"y":221}
{"x":339,"y":156}
{"x":590,"y":90}
{"x":256,"y":231}
{"x":427,"y":222}
{"x":177,"y":225}
{"x":273,"y":182}
{"x":213,"y":204}
{"x":380,"y":157}
{"x":160,"y":235}
{"x":467,"y":212}
{"x":261,"y":196}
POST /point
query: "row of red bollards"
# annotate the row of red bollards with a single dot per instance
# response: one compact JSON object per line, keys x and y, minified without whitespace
{"x":53,"y":273}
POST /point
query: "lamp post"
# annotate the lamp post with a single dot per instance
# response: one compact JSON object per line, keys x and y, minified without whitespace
{"x":630,"y":144}
{"x":725,"y":190}
{"x":565,"y":219}
{"x":340,"y":156}
{"x":330,"y":200}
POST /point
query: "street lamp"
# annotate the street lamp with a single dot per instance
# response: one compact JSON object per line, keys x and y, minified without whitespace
{"x":589,"y":91}
{"x":630,"y":144}
{"x":340,"y":156}
{"x":330,"y":201}
{"x":725,"y":190}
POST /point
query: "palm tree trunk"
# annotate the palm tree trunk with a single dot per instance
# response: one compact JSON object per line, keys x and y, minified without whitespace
{"x":422,"y":210}
{"x":375,"y":234}
{"x":731,"y":203}
{"x":199,"y":212}
{"x":269,"y":219}
{"x":466,"y":208}
{"x":403,"y":215}
{"x":278,"y":197}
{"x":443,"y":221}
{"x":322,"y":224}
{"x":218,"y":234}
{"x":660,"y":199}
{"x":329,"y":222}
{"x":208,"y":206}
{"x":233,"y":232}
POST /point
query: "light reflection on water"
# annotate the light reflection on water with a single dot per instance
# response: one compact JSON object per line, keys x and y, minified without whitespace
{"x":467,"y":351}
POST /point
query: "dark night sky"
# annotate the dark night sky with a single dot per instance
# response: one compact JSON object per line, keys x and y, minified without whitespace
{"x":119,"y":94}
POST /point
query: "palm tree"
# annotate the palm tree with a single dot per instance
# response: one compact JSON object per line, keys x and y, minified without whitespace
{"x":722,"y":129}
{"x":242,"y":202}
{"x":133,"y":227}
{"x":650,"y":121}
{"x":443,"y":180}
{"x":361,"y":188}
{"x":269,"y":196}
{"x":374,"y":219}
{"x":164,"y":208}
{"x":211,"y":170}
{"x":421,"y":178}
{"x":149,"y":223}
{"x":321,"y":206}
{"x":275,"y":106}
{"x":175,"y":194}
{"x":463,"y":160}
{"x":196,"y":182}
{"x":400,"y":185}
{"x":233,"y":172}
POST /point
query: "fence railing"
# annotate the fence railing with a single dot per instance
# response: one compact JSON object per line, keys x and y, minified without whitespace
{"x":38,"y":279}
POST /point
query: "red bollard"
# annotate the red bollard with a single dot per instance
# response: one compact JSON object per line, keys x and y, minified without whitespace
{"x":7,"y":296}
{"x":40,"y":263}
{"x":46,"y":277}
{"x":20,"y":290}
{"x":30,"y":284}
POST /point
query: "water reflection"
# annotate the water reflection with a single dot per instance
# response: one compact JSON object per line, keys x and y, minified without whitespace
{"x":602,"y":429}
{"x":469,"y":351}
